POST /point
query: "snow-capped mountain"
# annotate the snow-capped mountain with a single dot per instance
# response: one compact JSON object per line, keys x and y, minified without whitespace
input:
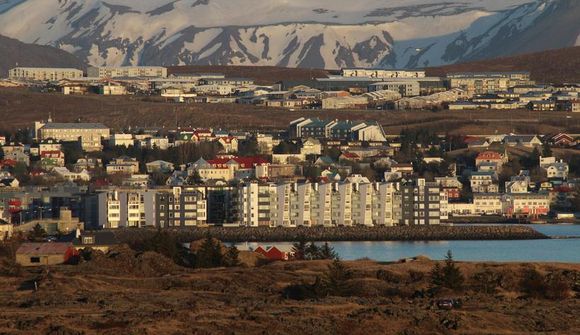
{"x":303,"y":33}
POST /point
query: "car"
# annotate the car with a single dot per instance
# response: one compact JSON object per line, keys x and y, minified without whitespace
{"x":50,"y":239}
{"x":448,"y":303}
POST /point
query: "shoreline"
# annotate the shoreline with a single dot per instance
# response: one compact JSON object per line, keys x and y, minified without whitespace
{"x":330,"y":234}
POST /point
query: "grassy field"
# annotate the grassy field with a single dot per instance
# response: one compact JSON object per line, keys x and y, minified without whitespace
{"x":20,"y":108}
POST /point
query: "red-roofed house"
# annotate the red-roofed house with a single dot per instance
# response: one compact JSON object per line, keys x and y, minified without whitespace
{"x":564,"y":140}
{"x":490,"y":157}
{"x":51,"y":158}
{"x":275,"y":253}
{"x":349,"y":156}
{"x":231,"y":167}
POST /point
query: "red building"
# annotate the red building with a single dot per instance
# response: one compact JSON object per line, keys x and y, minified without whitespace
{"x":274,"y":253}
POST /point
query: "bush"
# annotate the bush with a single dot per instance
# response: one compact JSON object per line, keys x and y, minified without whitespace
{"x":334,"y":280}
{"x":9,"y":268}
{"x":389,"y":276}
{"x":533,"y":283}
{"x":557,"y":288}
{"x":487,"y":281}
{"x":416,"y":276}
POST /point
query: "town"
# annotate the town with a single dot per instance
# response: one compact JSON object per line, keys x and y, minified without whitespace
{"x":316,"y":172}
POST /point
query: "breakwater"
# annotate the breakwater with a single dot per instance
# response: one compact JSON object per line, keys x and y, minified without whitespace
{"x":398,"y":233}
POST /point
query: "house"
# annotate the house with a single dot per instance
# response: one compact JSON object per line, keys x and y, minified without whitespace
{"x":557,"y":170}
{"x":311,"y":146}
{"x":9,"y":182}
{"x":229,"y":144}
{"x":275,"y":253}
{"x":483,"y":182}
{"x":404,"y":169}
{"x":71,"y":176}
{"x":528,"y":141}
{"x":324,"y":161}
{"x":52,"y":158}
{"x":125,"y":140}
{"x":42,"y":254}
{"x":479,"y":143}
{"x":87,"y":163}
{"x":349,"y":156}
{"x":486,"y":157}
{"x":96,"y":240}
{"x":123,"y":164}
{"x":159,"y":166}
{"x":563,"y":140}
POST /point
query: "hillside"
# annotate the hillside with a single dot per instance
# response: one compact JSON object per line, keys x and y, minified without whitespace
{"x":20,"y":108}
{"x":261,"y":74}
{"x":124,"y":292}
{"x":298,"y":33}
{"x":13,"y":53}
{"x":552,"y":66}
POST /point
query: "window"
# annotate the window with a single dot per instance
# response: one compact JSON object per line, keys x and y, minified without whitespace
{"x":88,"y":240}
{"x":34,"y":259}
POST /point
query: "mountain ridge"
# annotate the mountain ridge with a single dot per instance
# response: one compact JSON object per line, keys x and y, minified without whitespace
{"x":301,"y":33}
{"x":15,"y":53}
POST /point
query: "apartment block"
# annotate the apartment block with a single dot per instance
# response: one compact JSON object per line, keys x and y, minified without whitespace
{"x":356,"y":201}
{"x":127,"y":71}
{"x":123,"y":208}
{"x":382,"y":73}
{"x":44,"y":73}
{"x":181,"y":207}
{"x":89,"y":135}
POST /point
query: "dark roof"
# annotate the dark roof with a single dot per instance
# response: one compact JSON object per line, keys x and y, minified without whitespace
{"x":55,"y":125}
{"x":99,"y":238}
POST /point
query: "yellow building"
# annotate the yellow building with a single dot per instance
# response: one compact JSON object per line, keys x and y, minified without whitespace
{"x":44,"y":73}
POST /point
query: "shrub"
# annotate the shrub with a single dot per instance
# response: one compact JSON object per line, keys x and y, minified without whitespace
{"x":389,"y":276}
{"x":487,"y":281}
{"x":334,"y":280}
{"x":557,"y":288}
{"x":533,"y":283}
{"x":416,"y":276}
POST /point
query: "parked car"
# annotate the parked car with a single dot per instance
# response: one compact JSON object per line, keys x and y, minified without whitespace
{"x":448,"y":303}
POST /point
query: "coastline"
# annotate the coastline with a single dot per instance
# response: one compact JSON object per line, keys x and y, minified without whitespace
{"x":397,"y":233}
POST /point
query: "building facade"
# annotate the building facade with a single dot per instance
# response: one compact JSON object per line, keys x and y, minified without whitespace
{"x":44,"y":73}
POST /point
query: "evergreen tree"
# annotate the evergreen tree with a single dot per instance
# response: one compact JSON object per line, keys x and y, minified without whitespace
{"x":209,"y":254}
{"x":449,"y":275}
{"x":312,"y":251}
{"x":327,"y":252}
{"x":546,"y":150}
{"x":37,"y":232}
{"x":231,"y":258}
{"x":334,"y":280}
{"x":299,"y":249}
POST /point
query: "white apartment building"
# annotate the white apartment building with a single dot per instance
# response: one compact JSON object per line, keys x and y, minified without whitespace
{"x":44,"y":73}
{"x":126,"y":208}
{"x":125,"y":140}
{"x":127,"y":71}
{"x":382,"y":73}
{"x":355,"y":201}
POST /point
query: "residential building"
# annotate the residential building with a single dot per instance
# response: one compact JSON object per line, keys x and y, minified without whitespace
{"x":483,"y":182}
{"x":89,"y":135}
{"x":180,"y":207}
{"x":356,"y":201}
{"x":159,"y":166}
{"x":127,"y":71}
{"x":526,"y":204}
{"x":487,"y":203}
{"x":125,"y":140}
{"x":404,"y":88}
{"x":487,"y":82}
{"x":382,"y":73}
{"x":337,"y":129}
{"x":123,"y":164}
{"x":43,"y":73}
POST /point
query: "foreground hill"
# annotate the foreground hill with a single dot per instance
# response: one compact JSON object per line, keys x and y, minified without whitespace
{"x":15,"y":53}
{"x":552,"y":66}
{"x":125,"y":293}
{"x":298,"y":33}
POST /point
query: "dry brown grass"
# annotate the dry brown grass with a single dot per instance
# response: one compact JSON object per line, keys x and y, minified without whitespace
{"x":20,"y":108}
